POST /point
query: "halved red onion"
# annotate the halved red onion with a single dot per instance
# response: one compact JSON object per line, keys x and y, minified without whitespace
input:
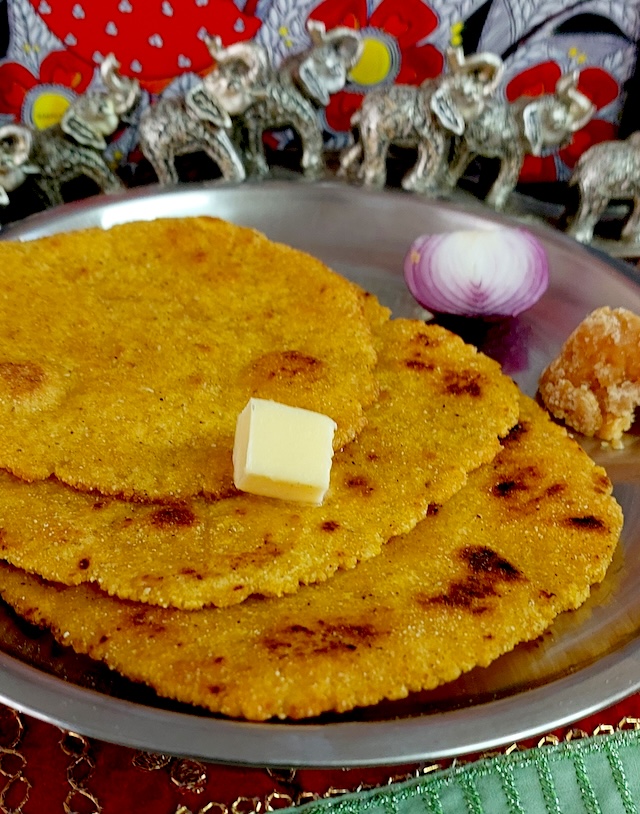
{"x":477,"y":273}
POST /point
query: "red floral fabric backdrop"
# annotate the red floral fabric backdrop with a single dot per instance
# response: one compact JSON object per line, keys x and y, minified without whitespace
{"x":50,"y":49}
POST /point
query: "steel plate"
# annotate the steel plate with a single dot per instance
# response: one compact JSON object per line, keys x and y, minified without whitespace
{"x":589,"y":659}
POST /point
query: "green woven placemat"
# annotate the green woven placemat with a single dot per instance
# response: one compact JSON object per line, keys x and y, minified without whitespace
{"x":595,"y":775}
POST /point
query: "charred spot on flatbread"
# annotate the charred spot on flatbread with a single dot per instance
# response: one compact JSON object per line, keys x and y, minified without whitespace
{"x":173,"y":517}
{"x":21,"y":378}
{"x":463,"y":383}
{"x":587,"y":522}
{"x":486,"y":571}
{"x":284,"y":366}
{"x":330,"y":638}
{"x":28,"y":386}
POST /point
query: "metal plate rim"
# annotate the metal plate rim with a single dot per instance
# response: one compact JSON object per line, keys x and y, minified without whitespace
{"x":438,"y":735}
{"x":319,"y":745}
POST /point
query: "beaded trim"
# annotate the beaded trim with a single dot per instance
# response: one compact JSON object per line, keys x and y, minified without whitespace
{"x":191,"y":776}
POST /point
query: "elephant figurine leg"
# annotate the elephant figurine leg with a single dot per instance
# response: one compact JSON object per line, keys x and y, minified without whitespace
{"x":462,"y":157}
{"x":348,"y":159}
{"x":165,"y":167}
{"x":373,"y":169}
{"x":219,"y":147}
{"x":425,"y":175}
{"x":312,"y":162}
{"x":589,"y":212}
{"x":631,"y":230}
{"x":416,"y":179}
{"x":107,"y":180}
{"x":506,"y":181}
{"x":374,"y":145}
{"x":49,"y":191}
{"x":254,"y":153}
{"x":53,"y":179}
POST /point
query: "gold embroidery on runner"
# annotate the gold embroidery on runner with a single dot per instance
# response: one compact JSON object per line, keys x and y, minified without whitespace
{"x":576,"y":734}
{"x":628,"y":722}
{"x":15,"y":792}
{"x":150,"y":762}
{"x":283,"y":800}
{"x":246,"y":805}
{"x":190,"y":775}
{"x":287,"y":777}
{"x":206,"y":809}
{"x":78,"y":771}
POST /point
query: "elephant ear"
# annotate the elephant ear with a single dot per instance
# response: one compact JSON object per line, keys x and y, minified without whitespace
{"x":75,"y":126}
{"x":445,"y":111}
{"x":532,"y":124}
{"x":203,"y":107}
{"x":349,"y":46}
{"x":312,"y":86}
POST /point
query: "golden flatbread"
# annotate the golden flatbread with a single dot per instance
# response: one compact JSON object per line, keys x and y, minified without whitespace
{"x":127,"y":354}
{"x":441,"y":409}
{"x":522,"y":542}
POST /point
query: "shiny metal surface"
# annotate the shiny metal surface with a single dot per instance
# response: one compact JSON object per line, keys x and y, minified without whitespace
{"x":589,"y":659}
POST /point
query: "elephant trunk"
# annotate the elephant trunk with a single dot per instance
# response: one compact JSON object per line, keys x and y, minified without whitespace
{"x":486,"y":67}
{"x":250,"y":54}
{"x":122,"y":90}
{"x":581,"y":108}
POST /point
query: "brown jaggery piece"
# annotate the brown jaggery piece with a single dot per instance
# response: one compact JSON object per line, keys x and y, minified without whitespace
{"x":594,"y":384}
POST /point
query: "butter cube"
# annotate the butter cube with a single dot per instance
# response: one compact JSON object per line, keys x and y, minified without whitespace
{"x":283,"y":452}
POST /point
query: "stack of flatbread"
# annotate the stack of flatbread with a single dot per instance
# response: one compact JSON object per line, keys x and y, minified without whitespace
{"x":459,"y":520}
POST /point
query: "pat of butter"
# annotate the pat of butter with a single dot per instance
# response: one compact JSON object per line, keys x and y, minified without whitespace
{"x":283,"y":452}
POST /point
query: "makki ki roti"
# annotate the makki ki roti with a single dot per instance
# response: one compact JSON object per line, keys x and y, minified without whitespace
{"x":522,"y":541}
{"x":440,"y":411}
{"x":126,"y":354}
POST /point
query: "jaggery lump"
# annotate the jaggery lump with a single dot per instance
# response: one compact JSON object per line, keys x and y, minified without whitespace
{"x":594,"y":384}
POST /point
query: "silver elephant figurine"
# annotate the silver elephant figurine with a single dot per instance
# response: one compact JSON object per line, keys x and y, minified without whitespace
{"x":323,"y":68}
{"x":73,"y":148}
{"x":290,"y":96}
{"x":15,"y":149}
{"x":200,"y":121}
{"x":509,"y":131}
{"x":607,"y":171}
{"x":426,"y":117}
